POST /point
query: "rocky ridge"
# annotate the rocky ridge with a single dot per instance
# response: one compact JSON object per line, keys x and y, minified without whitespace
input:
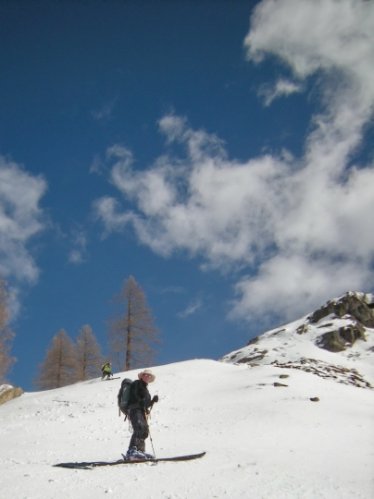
{"x":336,"y":342}
{"x":9,"y":392}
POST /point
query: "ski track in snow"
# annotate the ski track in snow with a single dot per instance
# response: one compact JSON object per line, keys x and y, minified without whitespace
{"x":261,"y":441}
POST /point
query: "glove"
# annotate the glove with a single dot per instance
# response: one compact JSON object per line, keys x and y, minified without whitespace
{"x":155,"y":399}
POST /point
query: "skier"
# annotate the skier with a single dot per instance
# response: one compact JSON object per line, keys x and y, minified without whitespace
{"x":139,"y":407}
{"x":106,"y":370}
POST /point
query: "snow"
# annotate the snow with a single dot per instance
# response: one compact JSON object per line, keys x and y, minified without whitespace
{"x":284,"y":344}
{"x":261,"y":441}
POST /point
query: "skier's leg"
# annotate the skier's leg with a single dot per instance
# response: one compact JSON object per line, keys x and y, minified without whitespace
{"x":140,"y":429}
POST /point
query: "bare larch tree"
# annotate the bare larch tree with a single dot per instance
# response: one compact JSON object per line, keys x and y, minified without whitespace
{"x":6,"y":334}
{"x":89,"y":355}
{"x":59,"y":367}
{"x":133,"y":336}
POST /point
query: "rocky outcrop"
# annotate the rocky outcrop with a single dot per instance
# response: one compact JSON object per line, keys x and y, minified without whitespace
{"x":358,"y":306}
{"x":344,"y":375}
{"x":343,"y":326}
{"x":9,"y":392}
{"x":339,"y":339}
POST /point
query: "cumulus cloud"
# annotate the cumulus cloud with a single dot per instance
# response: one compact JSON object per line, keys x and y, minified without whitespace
{"x":204,"y":203}
{"x":334,"y":38}
{"x":299,"y":228}
{"x":287,"y":286}
{"x":21,"y":218}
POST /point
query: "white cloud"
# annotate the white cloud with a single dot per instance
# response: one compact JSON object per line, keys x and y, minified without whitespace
{"x":108,"y":210}
{"x":21,"y":218}
{"x":120,"y":153}
{"x":117,"y":153}
{"x":303,"y":226}
{"x":334,"y":37}
{"x":282,"y":87}
{"x":78,"y":252}
{"x":191,"y":309}
{"x":288,"y":286}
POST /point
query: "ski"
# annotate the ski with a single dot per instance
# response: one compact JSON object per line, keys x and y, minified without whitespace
{"x":95,"y":464}
{"x":110,"y":379}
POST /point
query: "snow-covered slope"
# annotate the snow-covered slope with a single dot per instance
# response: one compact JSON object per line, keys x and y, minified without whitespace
{"x":341,"y":326}
{"x":262,"y":441}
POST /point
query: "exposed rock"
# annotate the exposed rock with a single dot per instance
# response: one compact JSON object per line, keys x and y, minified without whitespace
{"x":303,"y":328}
{"x":8,"y":392}
{"x":338,"y":340}
{"x":341,"y":374}
{"x":331,"y":341}
{"x":314,"y":399}
{"x":257,"y":355}
{"x":232,"y":356}
{"x":357,"y":305}
{"x":276,"y":384}
{"x":343,"y":326}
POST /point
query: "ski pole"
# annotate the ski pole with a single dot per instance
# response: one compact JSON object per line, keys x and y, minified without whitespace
{"x":147,"y":416}
{"x":150,"y":438}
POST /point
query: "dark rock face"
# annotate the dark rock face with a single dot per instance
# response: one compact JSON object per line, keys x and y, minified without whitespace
{"x":359,"y":312}
{"x":351,"y":304}
{"x":339,"y":339}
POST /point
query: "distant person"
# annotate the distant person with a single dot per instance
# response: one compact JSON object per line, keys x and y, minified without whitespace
{"x":106,"y":370}
{"x":139,"y":407}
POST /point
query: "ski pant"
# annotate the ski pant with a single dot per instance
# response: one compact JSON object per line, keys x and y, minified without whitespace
{"x":140,"y":429}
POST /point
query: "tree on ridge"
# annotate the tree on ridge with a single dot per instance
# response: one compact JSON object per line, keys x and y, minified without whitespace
{"x":6,"y":334}
{"x":133,"y":335}
{"x":60,"y":366}
{"x":89,"y":356}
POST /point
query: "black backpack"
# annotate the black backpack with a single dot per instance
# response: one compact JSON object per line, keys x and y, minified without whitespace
{"x":123,"y":396}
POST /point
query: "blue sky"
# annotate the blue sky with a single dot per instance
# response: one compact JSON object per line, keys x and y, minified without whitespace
{"x":220,"y":152}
